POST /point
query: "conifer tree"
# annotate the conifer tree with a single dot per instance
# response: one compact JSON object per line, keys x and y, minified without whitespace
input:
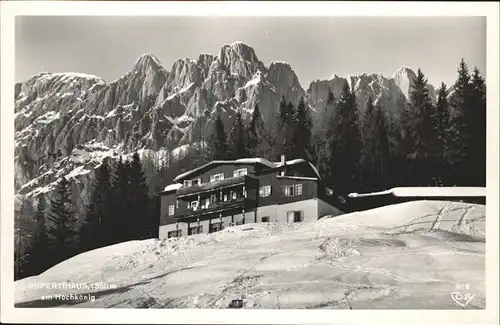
{"x":218,"y":141}
{"x":62,"y":227}
{"x":115,"y":226}
{"x":382,"y":154}
{"x":99,"y":210}
{"x":460,"y":101}
{"x":39,"y":250}
{"x":302,"y":125}
{"x":477,"y":130}
{"x":285,"y":132}
{"x":323,"y":134}
{"x":367,"y":157}
{"x":444,"y":130}
{"x":345,"y":145}
{"x":237,"y":140}
{"x":255,"y":132}
{"x":422,"y":128}
{"x":138,"y":221}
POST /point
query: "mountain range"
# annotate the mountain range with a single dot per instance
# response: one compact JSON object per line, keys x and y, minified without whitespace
{"x":66,"y":123}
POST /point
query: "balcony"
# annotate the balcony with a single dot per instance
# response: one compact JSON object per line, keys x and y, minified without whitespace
{"x":213,"y":186}
{"x":215,"y":207}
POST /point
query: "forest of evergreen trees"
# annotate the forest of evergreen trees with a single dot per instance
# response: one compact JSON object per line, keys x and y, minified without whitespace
{"x":438,"y":142}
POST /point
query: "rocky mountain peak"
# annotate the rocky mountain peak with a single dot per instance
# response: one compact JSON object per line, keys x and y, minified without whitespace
{"x":147,"y":60}
{"x":238,"y":58}
{"x":152,"y":108}
{"x":404,"y":79}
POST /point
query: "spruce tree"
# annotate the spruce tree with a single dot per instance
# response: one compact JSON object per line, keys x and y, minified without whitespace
{"x":115,"y":226}
{"x":62,"y":230}
{"x":237,"y":140}
{"x":477,"y":130}
{"x":302,"y":124}
{"x":218,"y":141}
{"x":285,"y":128}
{"x":444,"y":131}
{"x":99,"y":210}
{"x":367,"y":157}
{"x":39,"y":250}
{"x":345,"y":145}
{"x":139,"y":216}
{"x":255,"y":132}
{"x":460,"y":101}
{"x":322,"y":136}
{"x":422,"y":128}
{"x":382,"y":154}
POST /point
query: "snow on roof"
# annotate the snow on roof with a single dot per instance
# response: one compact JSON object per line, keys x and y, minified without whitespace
{"x":298,"y":161}
{"x":172,"y":187}
{"x":427,"y":191}
{"x":439,"y":191}
{"x":239,"y":161}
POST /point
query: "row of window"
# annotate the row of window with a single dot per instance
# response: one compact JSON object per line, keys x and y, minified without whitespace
{"x":288,"y":190}
{"x":215,"y":177}
{"x":204,"y":204}
{"x":264,"y":191}
{"x":292,"y":216}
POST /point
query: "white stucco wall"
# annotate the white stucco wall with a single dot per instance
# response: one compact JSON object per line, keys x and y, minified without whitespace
{"x":270,"y":211}
{"x":309,"y":207}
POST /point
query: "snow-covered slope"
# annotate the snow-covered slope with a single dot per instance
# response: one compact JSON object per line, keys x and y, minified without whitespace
{"x":406,"y":256}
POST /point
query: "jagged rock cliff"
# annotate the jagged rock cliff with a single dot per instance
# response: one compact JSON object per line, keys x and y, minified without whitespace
{"x":65,"y":123}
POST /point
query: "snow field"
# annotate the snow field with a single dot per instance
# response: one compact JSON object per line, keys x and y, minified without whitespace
{"x":406,"y":256}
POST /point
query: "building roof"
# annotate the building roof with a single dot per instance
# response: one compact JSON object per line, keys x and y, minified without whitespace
{"x":428,"y":192}
{"x":172,"y":187}
{"x":261,"y":161}
{"x":298,"y":161}
{"x":219,"y":162}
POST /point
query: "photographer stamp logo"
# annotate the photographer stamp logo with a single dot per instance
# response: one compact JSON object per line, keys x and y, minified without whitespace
{"x":461,"y":295}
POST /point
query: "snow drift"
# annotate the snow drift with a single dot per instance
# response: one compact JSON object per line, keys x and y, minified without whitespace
{"x":404,"y":256}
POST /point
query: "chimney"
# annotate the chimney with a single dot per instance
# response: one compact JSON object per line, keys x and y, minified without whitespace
{"x":283,"y":164}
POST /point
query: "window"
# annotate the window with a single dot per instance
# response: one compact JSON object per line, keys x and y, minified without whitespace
{"x":265,"y":191}
{"x":295,"y":216}
{"x":213,"y":198}
{"x":174,"y":233}
{"x":215,"y":226}
{"x":171,"y":210}
{"x":234,"y":195}
{"x":195,"y":230}
{"x":240,"y":172}
{"x":289,"y":190}
{"x":192,"y":182}
{"x":265,"y":219}
{"x":298,"y":216}
{"x":194,"y":205}
{"x":216,"y":177}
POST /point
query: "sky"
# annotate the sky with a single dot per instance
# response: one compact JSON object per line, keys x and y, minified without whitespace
{"x":316,"y":47}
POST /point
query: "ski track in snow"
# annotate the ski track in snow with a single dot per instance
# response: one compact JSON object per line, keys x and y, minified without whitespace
{"x":411,"y":256}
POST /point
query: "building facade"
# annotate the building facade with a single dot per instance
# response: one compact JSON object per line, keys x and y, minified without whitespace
{"x":224,"y":193}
